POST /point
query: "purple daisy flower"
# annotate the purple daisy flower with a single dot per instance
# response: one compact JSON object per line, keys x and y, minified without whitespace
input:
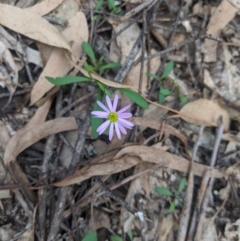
{"x":116,"y":119}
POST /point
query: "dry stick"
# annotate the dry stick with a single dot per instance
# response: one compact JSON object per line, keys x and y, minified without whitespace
{"x":92,"y":22}
{"x":18,"y":92}
{"x":42,"y":193}
{"x":129,"y":60}
{"x":197,"y":208}
{"x":134,"y":11}
{"x":189,"y":65}
{"x":60,"y":205}
{"x":185,"y":216}
{"x":86,"y":199}
{"x":25,"y":59}
{"x":210,"y":185}
{"x":143,"y":51}
{"x":201,"y":35}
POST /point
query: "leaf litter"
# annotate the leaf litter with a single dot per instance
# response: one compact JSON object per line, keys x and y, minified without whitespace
{"x":52,"y":151}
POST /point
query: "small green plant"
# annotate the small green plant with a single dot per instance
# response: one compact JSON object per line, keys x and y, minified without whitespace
{"x":174,"y":196}
{"x":97,"y":65}
{"x":164,"y":92}
{"x":91,"y":236}
{"x":111,"y":6}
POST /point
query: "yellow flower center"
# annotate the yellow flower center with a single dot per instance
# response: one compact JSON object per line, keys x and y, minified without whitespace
{"x":113,"y":117}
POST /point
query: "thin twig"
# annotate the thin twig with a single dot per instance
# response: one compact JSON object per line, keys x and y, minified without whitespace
{"x":134,"y":11}
{"x":210,"y":185}
{"x":129,"y":60}
{"x":201,"y":35}
{"x":60,"y":204}
{"x":185,"y":217}
{"x":143,"y":51}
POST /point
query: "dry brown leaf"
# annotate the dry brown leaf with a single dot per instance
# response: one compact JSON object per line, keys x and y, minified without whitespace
{"x":169,"y":130}
{"x":37,"y":119}
{"x":21,"y":140}
{"x":106,"y":81}
{"x":130,"y":156}
{"x":203,"y":112}
{"x":31,"y":25}
{"x":59,"y":64}
{"x":45,"y":7}
{"x":66,"y":10}
{"x":223,"y":14}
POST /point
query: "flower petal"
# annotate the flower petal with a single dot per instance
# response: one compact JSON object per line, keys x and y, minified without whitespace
{"x":117,"y":131}
{"x":111,"y":131}
{"x":122,"y":129}
{"x":109,"y":103}
{"x":126,"y":123}
{"x":102,"y":106}
{"x":100,"y":114}
{"x":123,"y":109}
{"x":115,"y":102}
{"x":125,"y":115}
{"x":103,"y":127}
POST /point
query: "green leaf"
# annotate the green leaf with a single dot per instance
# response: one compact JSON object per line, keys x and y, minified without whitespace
{"x":100,"y":61}
{"x":115,"y":238}
{"x":103,"y":89}
{"x":68,"y":79}
{"x":89,"y":52}
{"x":182,"y":185}
{"x":117,"y":10}
{"x":108,"y":66}
{"x":92,"y":236}
{"x":111,"y":4}
{"x":89,"y":67}
{"x":172,"y":207}
{"x":183,"y":99}
{"x":154,"y":76}
{"x":130,"y":234}
{"x":96,"y":122}
{"x":164,"y":91}
{"x":99,"y":4}
{"x":167,"y":70}
{"x":135,"y":97}
{"x":164,"y":191}
{"x":161,"y":98}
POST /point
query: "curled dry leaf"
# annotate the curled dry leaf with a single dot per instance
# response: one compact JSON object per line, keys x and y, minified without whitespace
{"x":59,"y":64}
{"x":204,"y":112}
{"x":130,"y":156}
{"x":23,"y":139}
{"x":31,"y":25}
{"x":37,"y":119}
